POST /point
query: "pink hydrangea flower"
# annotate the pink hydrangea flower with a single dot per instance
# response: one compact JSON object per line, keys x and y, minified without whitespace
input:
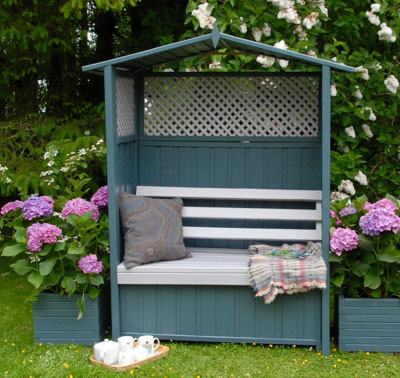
{"x":379,"y":220}
{"x":89,"y":264}
{"x":39,"y":233}
{"x":100,"y":198}
{"x":333,"y":215}
{"x":48,"y":199}
{"x":343,"y":239}
{"x":384,"y":203}
{"x":35,"y":207}
{"x":80,"y":206}
{"x":11,"y":206}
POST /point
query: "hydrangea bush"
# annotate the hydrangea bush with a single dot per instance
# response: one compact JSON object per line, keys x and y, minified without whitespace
{"x":64,"y":251}
{"x":365,"y":247}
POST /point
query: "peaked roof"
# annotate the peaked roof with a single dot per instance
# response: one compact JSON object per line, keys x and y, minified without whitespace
{"x":206,"y":44}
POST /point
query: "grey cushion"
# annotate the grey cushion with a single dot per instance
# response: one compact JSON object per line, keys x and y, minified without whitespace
{"x":152,"y":229}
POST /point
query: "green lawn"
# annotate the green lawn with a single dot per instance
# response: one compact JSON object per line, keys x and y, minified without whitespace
{"x":21,"y":357}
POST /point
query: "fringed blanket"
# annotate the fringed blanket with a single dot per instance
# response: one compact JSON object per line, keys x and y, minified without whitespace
{"x":299,"y":269}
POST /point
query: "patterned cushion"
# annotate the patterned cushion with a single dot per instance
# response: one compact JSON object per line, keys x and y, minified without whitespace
{"x":152,"y":229}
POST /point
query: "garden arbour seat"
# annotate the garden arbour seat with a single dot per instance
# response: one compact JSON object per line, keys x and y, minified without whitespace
{"x":227,"y":266}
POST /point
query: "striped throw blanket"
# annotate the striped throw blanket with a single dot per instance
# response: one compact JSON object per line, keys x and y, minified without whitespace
{"x":270,"y":276}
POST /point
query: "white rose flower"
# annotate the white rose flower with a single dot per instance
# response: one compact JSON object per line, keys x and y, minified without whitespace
{"x":346,"y":150}
{"x":357,"y":93}
{"x":243,"y":28}
{"x":367,"y":130}
{"x":203,"y":15}
{"x":350,"y":131}
{"x":375,"y":8}
{"x":300,"y":2}
{"x":311,"y":20}
{"x":190,"y":69}
{"x":372,"y":116}
{"x":338,"y":196}
{"x":364,"y":72}
{"x":324,"y":10}
{"x":333,"y":91}
{"x":283,"y":63}
{"x":168,"y":70}
{"x":214,"y":65}
{"x":290,"y":15}
{"x":312,"y":53}
{"x":256,"y":34}
{"x":8,"y":180}
{"x":281,"y":45}
{"x":392,"y":84}
{"x":265,"y":61}
{"x":347,"y":186}
{"x":386,"y":33}
{"x":266,"y":30}
{"x":373,"y":18}
{"x":361,"y":178}
{"x":300,"y":32}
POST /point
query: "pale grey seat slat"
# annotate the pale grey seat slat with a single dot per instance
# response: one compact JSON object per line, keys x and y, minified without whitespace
{"x":273,"y":234}
{"x":201,"y":269}
{"x":231,"y":194}
{"x":250,"y":213}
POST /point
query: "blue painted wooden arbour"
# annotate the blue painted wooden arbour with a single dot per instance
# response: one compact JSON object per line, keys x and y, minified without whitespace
{"x":153,"y":139}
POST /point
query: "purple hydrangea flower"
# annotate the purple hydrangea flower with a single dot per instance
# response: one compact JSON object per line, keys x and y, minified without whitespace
{"x":347,"y":211}
{"x":379,"y":220}
{"x":343,"y":239}
{"x":100,"y":198}
{"x":35,"y":207}
{"x":384,"y":203}
{"x":89,"y":264}
{"x":11,"y":206}
{"x":48,"y":199}
{"x":80,"y":206}
{"x":39,"y":233}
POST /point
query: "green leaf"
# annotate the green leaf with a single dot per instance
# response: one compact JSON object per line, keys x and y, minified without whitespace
{"x":388,"y":254}
{"x":45,"y":250}
{"x":360,"y":269}
{"x":69,"y":285}
{"x":60,"y":246}
{"x":81,"y":305}
{"x":96,"y":280}
{"x":372,"y":280}
{"x":338,"y":280}
{"x":47,"y":266}
{"x":359,"y":202}
{"x":74,"y":249}
{"x":54,"y":277}
{"x":22,"y":267}
{"x":13,"y":250}
{"x":36,"y":279}
{"x":376,"y":293}
{"x":20,"y":235}
{"x":93,"y":292}
{"x":81,"y":278}
{"x":333,"y":257}
{"x":366,"y":242}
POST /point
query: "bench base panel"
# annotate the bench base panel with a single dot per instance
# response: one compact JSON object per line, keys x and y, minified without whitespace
{"x":220,"y":314}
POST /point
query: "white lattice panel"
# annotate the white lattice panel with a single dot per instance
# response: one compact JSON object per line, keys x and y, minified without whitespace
{"x":284,"y":106}
{"x":125,"y":105}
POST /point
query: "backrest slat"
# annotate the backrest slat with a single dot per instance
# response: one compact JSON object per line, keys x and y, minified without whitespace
{"x":250,"y":213}
{"x":231,"y":194}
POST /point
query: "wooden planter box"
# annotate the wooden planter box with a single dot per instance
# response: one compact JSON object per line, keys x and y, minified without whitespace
{"x":366,"y":324}
{"x":55,"y":319}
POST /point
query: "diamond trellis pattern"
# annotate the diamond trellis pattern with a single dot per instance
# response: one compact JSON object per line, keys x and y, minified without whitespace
{"x":125,"y":87}
{"x":277,"y":106}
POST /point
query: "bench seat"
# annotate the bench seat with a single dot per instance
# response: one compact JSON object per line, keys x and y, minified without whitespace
{"x":208,"y":266}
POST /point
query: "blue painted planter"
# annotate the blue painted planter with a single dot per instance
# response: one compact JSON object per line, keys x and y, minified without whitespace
{"x":368,"y":324}
{"x":55,"y":319}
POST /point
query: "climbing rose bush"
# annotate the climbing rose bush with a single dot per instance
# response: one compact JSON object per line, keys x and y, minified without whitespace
{"x":64,"y":251}
{"x":365,"y":247}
